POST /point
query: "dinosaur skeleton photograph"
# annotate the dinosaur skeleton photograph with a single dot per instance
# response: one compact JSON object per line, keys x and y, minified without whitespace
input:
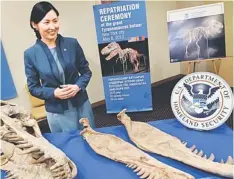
{"x":197,"y":38}
{"x":124,"y":60}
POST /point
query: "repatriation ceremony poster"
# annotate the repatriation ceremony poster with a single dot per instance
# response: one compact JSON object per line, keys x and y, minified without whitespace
{"x":122,"y":38}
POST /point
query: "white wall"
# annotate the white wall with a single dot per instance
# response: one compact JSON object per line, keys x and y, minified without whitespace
{"x":16,"y":37}
{"x":77,"y":20}
{"x":160,"y":65}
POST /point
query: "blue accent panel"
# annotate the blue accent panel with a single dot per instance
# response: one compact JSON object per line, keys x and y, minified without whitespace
{"x":8,"y":90}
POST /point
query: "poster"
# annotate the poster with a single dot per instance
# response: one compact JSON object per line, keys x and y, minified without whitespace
{"x":122,"y":38}
{"x":196,"y":33}
{"x":8,"y":90}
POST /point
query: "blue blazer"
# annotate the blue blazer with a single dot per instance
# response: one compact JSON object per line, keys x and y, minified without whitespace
{"x":43,"y":75}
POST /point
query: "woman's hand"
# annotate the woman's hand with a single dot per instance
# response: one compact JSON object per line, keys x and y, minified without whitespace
{"x":67,"y":91}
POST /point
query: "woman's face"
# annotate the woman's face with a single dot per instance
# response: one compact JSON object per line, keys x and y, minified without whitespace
{"x":48,"y":27}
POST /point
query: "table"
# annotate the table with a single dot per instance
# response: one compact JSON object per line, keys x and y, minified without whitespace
{"x":93,"y":166}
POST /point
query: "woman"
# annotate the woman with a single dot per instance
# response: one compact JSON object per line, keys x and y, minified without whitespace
{"x":57,"y":71}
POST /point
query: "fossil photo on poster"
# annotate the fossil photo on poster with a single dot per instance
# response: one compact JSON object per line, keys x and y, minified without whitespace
{"x":193,"y":36}
{"x":124,"y":57}
{"x":199,"y":38}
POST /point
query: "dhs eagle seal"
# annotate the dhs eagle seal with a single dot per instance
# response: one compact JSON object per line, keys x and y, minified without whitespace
{"x":202,"y":101}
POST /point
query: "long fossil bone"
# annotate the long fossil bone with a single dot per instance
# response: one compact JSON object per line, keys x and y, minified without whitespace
{"x":118,"y":150}
{"x":19,"y":129}
{"x":151,"y":139}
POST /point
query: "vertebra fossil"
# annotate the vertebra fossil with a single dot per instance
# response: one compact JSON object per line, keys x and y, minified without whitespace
{"x":151,"y":139}
{"x":20,"y":130}
{"x":119,"y":150}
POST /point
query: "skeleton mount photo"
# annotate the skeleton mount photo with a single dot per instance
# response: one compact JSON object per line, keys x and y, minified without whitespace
{"x":197,"y":38}
{"x":113,"y":51}
{"x":25,"y":153}
{"x":195,"y":35}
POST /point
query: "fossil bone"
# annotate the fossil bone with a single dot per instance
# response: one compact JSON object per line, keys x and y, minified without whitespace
{"x":151,"y":139}
{"x":20,"y":130}
{"x":118,"y":150}
{"x":20,"y":166}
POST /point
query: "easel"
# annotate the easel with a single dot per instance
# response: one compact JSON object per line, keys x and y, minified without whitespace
{"x":198,"y":61}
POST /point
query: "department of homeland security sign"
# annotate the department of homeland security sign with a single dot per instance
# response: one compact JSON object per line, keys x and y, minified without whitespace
{"x":202,"y":101}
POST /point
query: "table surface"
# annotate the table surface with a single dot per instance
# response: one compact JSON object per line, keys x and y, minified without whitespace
{"x":93,"y":166}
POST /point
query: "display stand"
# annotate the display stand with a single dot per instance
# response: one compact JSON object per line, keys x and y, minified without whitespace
{"x":194,"y":62}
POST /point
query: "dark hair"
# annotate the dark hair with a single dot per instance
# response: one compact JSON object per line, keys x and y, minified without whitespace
{"x":38,"y":12}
